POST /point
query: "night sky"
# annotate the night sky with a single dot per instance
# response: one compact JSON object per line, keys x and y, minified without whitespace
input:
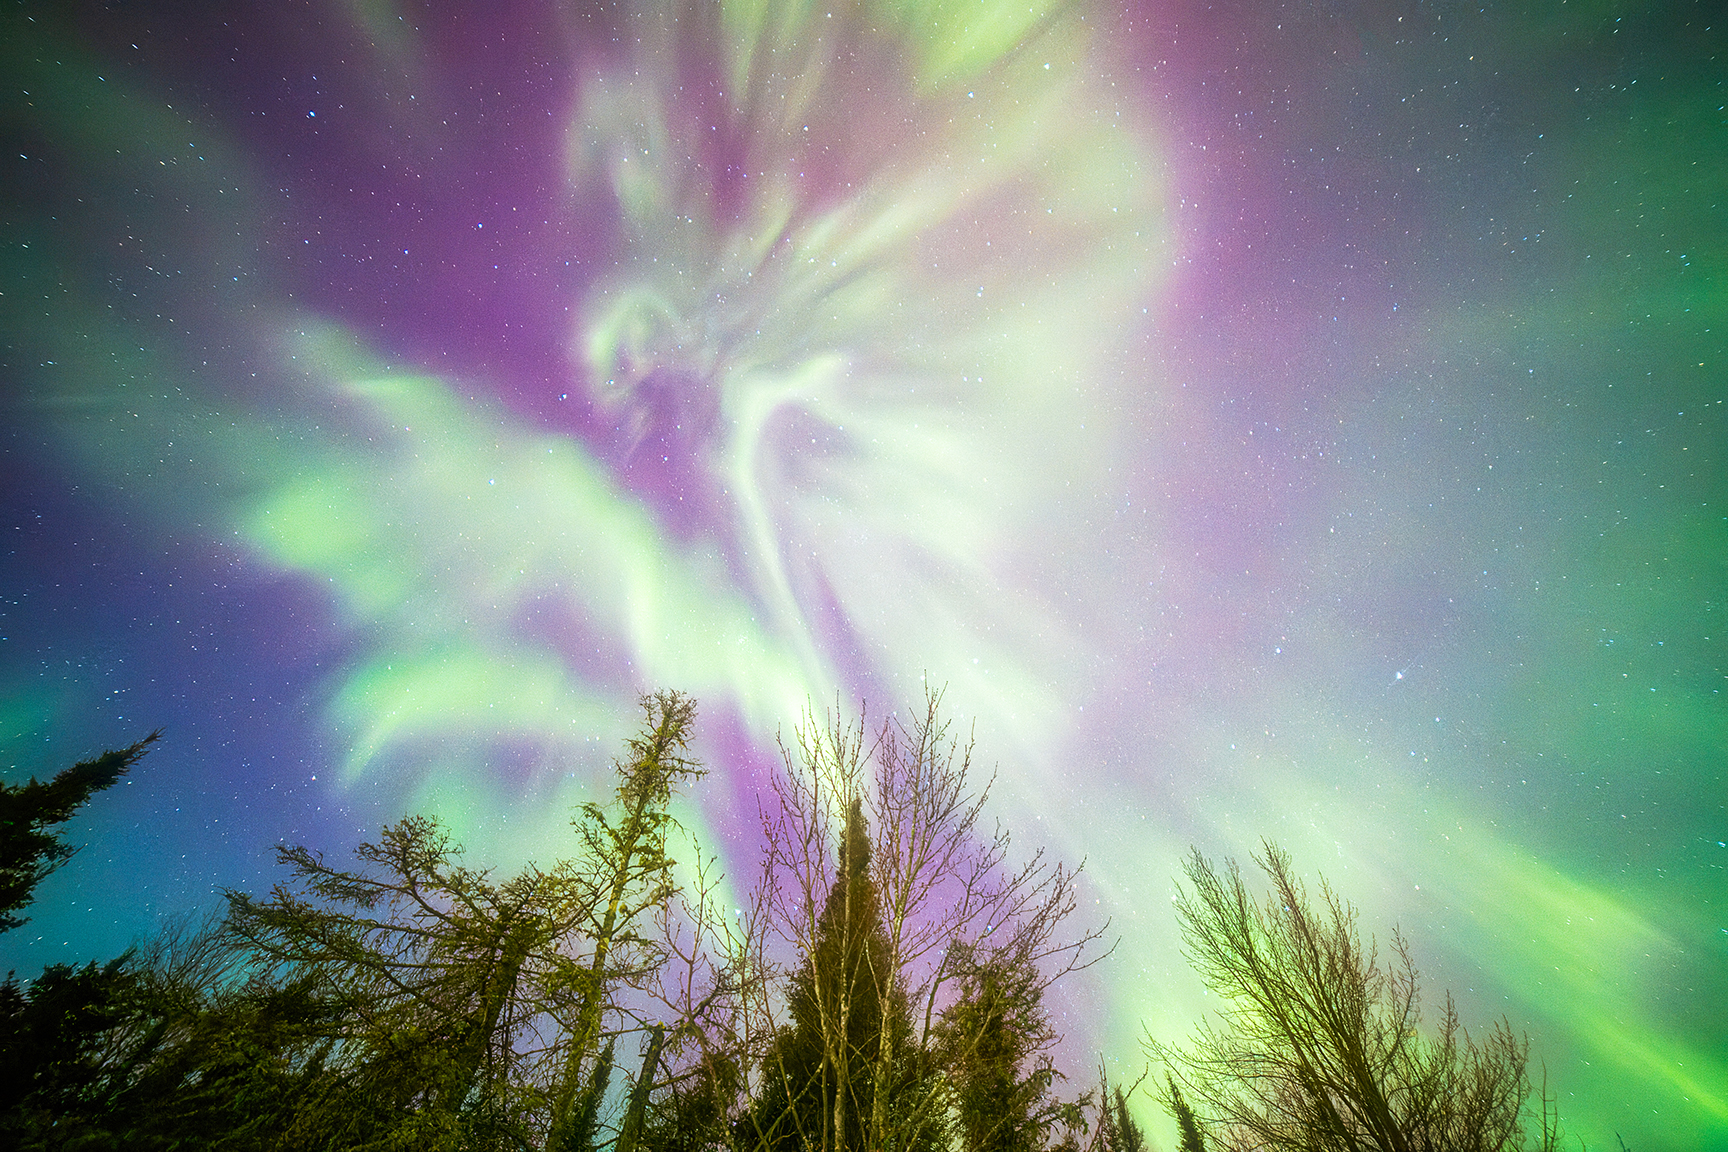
{"x":1305,"y":421}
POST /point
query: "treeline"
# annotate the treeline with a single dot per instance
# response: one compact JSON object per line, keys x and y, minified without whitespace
{"x":880,"y":988}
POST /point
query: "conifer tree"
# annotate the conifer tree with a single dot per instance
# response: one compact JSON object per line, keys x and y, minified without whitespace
{"x":28,"y":851}
{"x":992,"y":1043}
{"x":421,"y":963}
{"x":1192,"y":1139}
{"x":626,"y":872}
{"x":950,"y":923}
{"x":692,"y":1113}
{"x":822,"y":1076}
{"x":58,"y":1033}
{"x":1117,"y":1130}
{"x":468,"y":1011}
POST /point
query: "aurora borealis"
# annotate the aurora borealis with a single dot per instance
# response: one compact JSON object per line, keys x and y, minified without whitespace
{"x":1291,"y":421}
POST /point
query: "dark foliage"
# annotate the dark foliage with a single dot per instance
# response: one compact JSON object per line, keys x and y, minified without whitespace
{"x":28,"y":851}
{"x":1188,"y":1130}
{"x":134,"y":1055}
{"x":821,"y":1078}
{"x":1117,"y":1129}
{"x":414,"y":1003}
{"x":693,"y":1114}
{"x":992,"y":1043}
{"x":57,"y":1042}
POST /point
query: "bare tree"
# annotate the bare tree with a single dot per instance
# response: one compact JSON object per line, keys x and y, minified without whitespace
{"x":1320,"y":1046}
{"x":698,"y":1005}
{"x":952,"y":923}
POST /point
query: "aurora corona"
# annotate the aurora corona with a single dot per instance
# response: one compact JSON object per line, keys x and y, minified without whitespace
{"x":447,"y":379}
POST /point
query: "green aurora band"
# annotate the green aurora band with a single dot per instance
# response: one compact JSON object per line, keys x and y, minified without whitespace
{"x":911,"y":340}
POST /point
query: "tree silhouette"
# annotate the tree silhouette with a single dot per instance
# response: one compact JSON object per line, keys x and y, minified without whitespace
{"x":1187,"y":1126}
{"x":467,"y":1010}
{"x":1116,"y":1129}
{"x":1320,"y":1046}
{"x":626,"y":876}
{"x":992,"y":1042}
{"x":921,"y":961}
{"x":823,"y":1074}
{"x":882,"y":992}
{"x":421,"y":962}
{"x":28,"y":851}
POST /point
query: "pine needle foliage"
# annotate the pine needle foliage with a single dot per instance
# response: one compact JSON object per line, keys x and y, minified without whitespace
{"x":28,"y":850}
{"x":822,"y":1075}
{"x":993,"y":1043}
{"x":1189,"y":1133}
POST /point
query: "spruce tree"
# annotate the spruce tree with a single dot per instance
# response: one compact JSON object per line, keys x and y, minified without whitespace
{"x":1129,"y":1138}
{"x":467,"y":1011}
{"x":1117,"y":1130}
{"x":28,"y":851}
{"x":421,"y":964}
{"x":992,"y":1041}
{"x":821,"y":1076}
{"x":930,"y":913}
{"x":1187,"y":1126}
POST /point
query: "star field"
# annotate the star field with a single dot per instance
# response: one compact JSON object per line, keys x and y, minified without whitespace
{"x":1287,"y":421}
